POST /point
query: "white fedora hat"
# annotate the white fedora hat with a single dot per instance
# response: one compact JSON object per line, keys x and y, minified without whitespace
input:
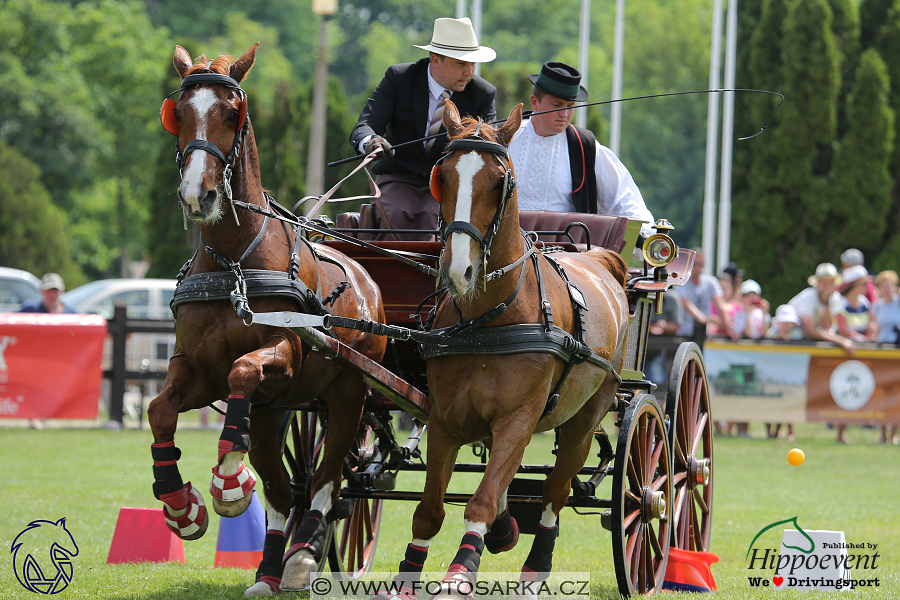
{"x":456,"y":38}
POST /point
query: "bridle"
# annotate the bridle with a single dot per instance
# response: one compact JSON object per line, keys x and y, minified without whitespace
{"x":475,"y":142}
{"x":170,"y":123}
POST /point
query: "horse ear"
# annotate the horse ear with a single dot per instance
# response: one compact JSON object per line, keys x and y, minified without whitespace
{"x":240,"y":68}
{"x":505,"y":134}
{"x":182,"y":61}
{"x":451,"y":120}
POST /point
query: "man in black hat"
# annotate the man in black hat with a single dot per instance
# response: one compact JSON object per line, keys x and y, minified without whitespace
{"x":407,"y":105}
{"x":561,"y":167}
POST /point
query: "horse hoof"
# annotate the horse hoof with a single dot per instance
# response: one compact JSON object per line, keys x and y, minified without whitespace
{"x":297,"y":571}
{"x":193,"y":523}
{"x":232,"y":494}
{"x":268,"y":586}
{"x":457,"y":586}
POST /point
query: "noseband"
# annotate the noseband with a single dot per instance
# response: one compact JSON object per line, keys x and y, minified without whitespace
{"x":170,"y":123}
{"x":474,"y":142}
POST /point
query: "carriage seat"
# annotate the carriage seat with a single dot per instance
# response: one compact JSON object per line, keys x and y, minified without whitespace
{"x":606,"y":231}
{"x":364,"y":219}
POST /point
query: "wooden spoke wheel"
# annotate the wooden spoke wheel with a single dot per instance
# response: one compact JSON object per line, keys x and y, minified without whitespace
{"x":691,"y":441}
{"x":355,"y":538}
{"x":302,"y":439}
{"x":642,"y":489}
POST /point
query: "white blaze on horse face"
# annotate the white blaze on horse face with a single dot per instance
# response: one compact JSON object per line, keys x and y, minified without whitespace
{"x":201,"y":102}
{"x":468,"y":167}
{"x":322,"y":500}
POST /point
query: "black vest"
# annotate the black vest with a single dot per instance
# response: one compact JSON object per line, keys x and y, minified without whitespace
{"x":582,"y":152}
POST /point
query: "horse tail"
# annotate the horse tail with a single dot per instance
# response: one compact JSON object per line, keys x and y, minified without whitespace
{"x":612,"y":262}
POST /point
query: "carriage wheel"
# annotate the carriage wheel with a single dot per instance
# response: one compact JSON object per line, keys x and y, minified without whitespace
{"x":302,"y":439}
{"x":355,"y":538}
{"x":642,"y":488}
{"x":691,"y":441}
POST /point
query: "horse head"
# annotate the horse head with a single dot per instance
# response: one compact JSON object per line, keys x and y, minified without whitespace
{"x":475,"y":185}
{"x":210,"y":120}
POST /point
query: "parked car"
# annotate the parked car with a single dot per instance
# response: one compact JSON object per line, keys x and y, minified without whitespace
{"x":144,"y":298}
{"x":16,"y":287}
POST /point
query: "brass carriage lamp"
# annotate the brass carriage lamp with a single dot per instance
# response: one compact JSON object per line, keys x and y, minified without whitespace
{"x":659,"y":250}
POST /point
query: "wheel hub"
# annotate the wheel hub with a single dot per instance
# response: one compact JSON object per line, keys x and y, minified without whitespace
{"x":653,"y":505}
{"x":698,"y":469}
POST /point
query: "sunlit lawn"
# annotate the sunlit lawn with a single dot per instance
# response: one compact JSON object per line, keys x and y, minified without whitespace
{"x":86,"y":475}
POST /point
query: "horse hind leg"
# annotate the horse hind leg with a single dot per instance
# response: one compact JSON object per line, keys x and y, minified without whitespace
{"x":264,"y":456}
{"x":346,"y":397}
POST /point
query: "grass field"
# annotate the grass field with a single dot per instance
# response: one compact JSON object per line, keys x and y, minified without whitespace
{"x":86,"y":475}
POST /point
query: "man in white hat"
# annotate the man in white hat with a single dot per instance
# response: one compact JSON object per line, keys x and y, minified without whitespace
{"x":408,"y":105}
{"x":52,"y":287}
{"x":817,"y":305}
{"x":563,"y":168}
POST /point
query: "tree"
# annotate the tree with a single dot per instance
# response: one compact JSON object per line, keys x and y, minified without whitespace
{"x":32,"y":230}
{"x":861,"y":181}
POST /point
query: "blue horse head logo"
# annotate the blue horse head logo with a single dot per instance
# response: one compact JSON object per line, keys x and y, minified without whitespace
{"x":42,"y":556}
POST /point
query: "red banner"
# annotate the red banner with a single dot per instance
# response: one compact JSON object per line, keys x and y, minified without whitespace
{"x":50,"y":365}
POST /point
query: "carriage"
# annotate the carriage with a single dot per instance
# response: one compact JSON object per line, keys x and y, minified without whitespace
{"x":668,"y":505}
{"x":239,"y":303}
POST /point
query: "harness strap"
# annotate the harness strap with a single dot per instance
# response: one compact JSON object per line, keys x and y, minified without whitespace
{"x":203,"y":145}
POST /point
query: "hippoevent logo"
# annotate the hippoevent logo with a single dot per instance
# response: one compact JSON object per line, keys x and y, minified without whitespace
{"x":812,"y":559}
{"x":42,"y":556}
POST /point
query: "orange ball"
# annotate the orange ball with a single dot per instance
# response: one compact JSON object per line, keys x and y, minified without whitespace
{"x":796,"y":457}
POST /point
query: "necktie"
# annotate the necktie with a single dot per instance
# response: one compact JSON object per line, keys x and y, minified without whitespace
{"x":436,"y":119}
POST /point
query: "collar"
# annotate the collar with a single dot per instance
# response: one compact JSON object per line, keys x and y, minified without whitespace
{"x":434,"y":88}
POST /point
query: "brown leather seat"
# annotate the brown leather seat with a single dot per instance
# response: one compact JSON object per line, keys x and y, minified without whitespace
{"x":364,"y":219}
{"x":605,"y":231}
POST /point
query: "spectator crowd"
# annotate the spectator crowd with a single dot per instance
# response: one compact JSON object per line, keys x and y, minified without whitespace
{"x":845,"y":307}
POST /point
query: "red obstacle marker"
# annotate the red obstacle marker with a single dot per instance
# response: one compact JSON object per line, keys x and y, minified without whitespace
{"x":689,"y":571}
{"x":241,"y":539}
{"x":142,"y":536}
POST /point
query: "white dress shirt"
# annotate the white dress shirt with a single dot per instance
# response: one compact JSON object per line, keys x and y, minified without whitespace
{"x":544,"y":177}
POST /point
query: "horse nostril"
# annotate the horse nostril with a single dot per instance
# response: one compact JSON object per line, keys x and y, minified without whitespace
{"x":208,"y":198}
{"x":180,"y":196}
{"x":468,"y":274}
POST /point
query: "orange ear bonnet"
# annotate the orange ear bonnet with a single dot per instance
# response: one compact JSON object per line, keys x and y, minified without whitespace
{"x":437,"y":189}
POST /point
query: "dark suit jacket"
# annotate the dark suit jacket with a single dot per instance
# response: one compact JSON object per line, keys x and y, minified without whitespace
{"x":397,"y":111}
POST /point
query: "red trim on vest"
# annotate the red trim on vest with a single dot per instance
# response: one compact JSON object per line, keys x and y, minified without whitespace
{"x":583,"y":163}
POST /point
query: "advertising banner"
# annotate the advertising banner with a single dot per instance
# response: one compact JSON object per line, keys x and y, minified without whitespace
{"x":791,"y":383}
{"x":50,"y":365}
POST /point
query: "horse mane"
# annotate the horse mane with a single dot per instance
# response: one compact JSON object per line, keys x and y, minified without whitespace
{"x":469,"y":125}
{"x":219,"y":65}
{"x":612,"y":261}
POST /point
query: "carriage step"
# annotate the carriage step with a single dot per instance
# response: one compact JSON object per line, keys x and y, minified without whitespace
{"x":606,"y":520}
{"x":385,"y":481}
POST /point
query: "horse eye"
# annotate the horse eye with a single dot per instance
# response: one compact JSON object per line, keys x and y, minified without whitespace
{"x":232,"y":115}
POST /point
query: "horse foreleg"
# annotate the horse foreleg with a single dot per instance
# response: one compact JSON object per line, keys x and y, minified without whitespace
{"x":232,"y":482}
{"x":265,"y":458}
{"x":346,"y":397}
{"x":429,"y":515}
{"x":183,"y":507}
{"x":510,"y":436}
{"x":575,"y":437}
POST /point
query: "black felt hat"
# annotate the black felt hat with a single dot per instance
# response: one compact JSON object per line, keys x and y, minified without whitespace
{"x":560,"y":80}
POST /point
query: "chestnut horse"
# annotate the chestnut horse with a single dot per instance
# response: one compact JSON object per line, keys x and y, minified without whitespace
{"x":264,"y":368}
{"x":503,"y":399}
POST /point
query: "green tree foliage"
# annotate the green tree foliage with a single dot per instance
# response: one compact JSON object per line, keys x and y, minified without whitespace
{"x":861,"y":181}
{"x":872,"y":16}
{"x":33,"y":234}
